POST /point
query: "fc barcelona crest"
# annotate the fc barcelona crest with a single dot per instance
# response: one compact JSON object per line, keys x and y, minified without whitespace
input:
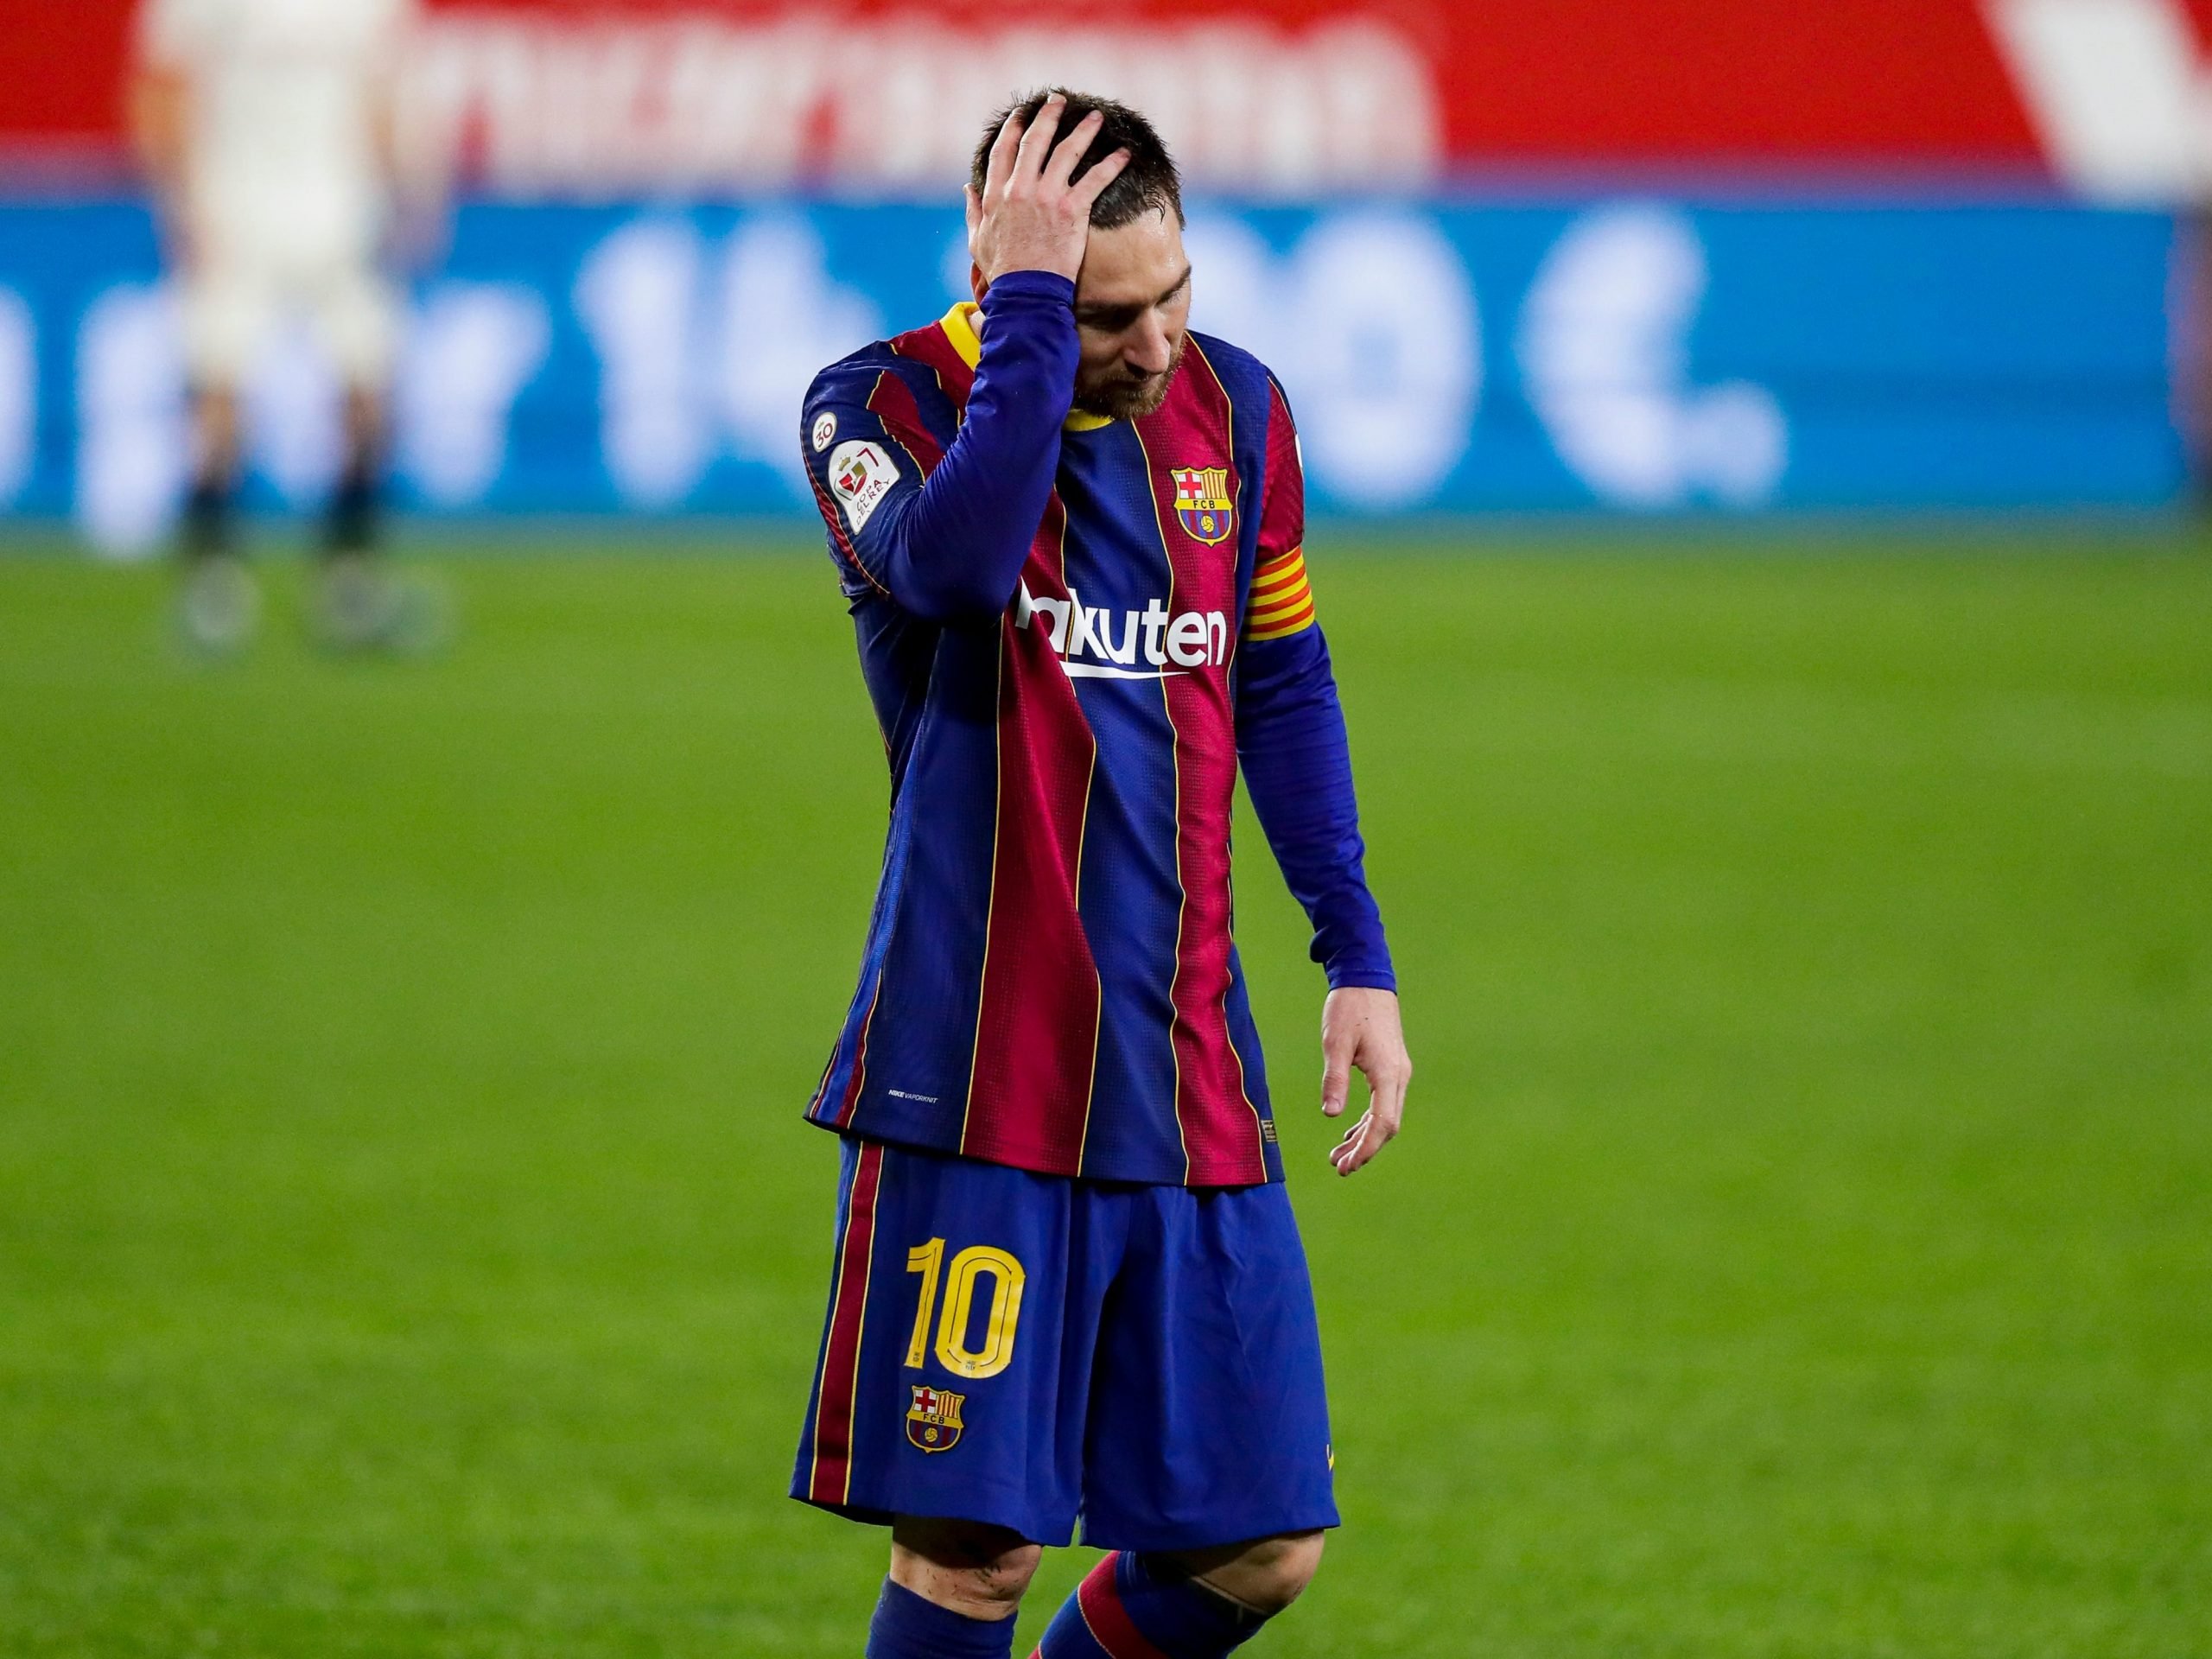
{"x":1202,"y":504}
{"x":933,"y":1420}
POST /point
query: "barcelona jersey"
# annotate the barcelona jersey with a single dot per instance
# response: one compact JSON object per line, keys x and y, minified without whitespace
{"x":1050,"y":980}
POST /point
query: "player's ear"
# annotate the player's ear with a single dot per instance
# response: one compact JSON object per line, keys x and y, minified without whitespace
{"x":978,"y":283}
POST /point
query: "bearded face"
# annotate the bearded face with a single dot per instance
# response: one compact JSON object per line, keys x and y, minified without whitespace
{"x":1121,"y":391}
{"x":1132,"y":313}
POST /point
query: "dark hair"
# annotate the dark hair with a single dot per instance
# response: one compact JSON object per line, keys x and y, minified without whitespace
{"x":1147,"y":185}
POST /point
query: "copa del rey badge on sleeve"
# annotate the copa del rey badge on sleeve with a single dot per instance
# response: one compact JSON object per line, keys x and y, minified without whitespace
{"x":1202,"y":502}
{"x":861,"y":475}
{"x":933,"y":1420}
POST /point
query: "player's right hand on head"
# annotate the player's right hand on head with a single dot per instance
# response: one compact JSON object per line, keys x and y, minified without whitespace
{"x":1029,"y":217}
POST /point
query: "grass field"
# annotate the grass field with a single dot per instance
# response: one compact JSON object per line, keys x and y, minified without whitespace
{"x":1802,"y":1245}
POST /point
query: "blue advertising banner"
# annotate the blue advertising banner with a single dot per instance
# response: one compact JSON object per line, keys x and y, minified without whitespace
{"x":1635,"y":355}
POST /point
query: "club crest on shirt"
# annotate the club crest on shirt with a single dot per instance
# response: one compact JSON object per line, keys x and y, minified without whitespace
{"x":933,"y":1420}
{"x":1202,"y":504}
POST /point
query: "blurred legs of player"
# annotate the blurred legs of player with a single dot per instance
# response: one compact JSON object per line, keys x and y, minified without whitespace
{"x":218,"y":605}
{"x":232,"y":300}
{"x":359,"y":604}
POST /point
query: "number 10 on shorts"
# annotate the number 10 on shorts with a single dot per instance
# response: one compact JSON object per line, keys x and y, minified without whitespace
{"x":959,"y":1277}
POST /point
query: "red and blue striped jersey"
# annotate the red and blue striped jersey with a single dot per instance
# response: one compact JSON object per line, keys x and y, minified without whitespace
{"x":1050,"y":979}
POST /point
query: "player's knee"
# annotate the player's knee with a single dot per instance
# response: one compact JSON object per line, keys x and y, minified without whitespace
{"x":1268,"y":1574}
{"x":973,"y":1569}
{"x":1277,"y":1570}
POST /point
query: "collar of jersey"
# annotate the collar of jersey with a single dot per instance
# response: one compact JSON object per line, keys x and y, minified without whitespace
{"x":960,"y":327}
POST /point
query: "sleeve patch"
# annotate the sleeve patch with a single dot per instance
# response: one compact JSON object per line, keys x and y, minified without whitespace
{"x":860,"y":475}
{"x":1281,"y":602}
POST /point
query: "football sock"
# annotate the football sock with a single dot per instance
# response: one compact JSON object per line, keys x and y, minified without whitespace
{"x":204,"y":528}
{"x":1123,"y":1611}
{"x":908,"y":1626}
{"x":351,"y":527}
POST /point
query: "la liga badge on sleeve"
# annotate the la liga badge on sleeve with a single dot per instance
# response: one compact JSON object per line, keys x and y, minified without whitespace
{"x":933,"y":1420}
{"x":1202,"y":504}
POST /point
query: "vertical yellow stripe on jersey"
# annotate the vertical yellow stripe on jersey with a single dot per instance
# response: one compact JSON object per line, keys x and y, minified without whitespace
{"x":1282,"y":603}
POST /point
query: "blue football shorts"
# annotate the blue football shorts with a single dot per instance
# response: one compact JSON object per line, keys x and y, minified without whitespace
{"x":1028,"y":1350}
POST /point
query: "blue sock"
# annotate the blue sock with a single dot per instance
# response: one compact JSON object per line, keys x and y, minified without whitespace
{"x":908,"y":1626}
{"x":1121,"y":1611}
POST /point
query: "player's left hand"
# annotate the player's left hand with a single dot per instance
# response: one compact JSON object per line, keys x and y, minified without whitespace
{"x":1360,"y":1031}
{"x":416,"y":233}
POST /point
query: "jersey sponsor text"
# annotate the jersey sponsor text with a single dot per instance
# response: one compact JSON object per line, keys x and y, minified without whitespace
{"x":1095,"y":642}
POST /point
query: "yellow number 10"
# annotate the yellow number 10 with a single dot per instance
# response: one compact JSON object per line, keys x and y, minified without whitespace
{"x":952,"y":1350}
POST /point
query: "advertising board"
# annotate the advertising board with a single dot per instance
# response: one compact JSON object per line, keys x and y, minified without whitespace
{"x":570,"y":98}
{"x":1641,"y":354}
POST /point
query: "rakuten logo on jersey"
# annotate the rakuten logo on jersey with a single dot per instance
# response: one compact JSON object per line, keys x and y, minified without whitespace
{"x":1096,"y":643}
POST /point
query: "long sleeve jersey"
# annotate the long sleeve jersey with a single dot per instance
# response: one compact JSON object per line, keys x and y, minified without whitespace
{"x":1073,"y":630}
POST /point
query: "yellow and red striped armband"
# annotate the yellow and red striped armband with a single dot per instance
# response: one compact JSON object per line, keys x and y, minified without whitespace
{"x":1282,"y":603}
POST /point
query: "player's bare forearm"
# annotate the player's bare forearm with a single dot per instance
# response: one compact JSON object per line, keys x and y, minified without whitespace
{"x":416,"y":185}
{"x":160,"y":113}
{"x":1361,"y":1032}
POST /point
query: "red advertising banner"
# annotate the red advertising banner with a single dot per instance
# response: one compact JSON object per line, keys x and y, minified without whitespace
{"x":589,"y":97}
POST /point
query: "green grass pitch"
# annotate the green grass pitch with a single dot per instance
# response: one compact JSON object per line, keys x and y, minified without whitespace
{"x":1802,"y":1245}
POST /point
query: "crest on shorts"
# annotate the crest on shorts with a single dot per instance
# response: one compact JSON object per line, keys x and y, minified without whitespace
{"x":1201,"y":505}
{"x":933,"y":1420}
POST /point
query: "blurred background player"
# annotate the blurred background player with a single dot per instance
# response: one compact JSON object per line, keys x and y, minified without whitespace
{"x":266,"y":129}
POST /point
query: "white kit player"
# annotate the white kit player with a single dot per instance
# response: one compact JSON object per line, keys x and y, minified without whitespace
{"x":266,"y":128}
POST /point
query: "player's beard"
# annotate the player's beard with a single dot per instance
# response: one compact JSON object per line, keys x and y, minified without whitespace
{"x":1121,"y":395}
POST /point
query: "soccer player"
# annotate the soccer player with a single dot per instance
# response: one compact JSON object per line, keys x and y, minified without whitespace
{"x":1067,"y":1280}
{"x":265,"y":127}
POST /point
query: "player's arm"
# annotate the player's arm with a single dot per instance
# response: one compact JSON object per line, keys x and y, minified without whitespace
{"x":945,"y":537}
{"x":159,"y":108}
{"x":1297,"y":764}
{"x":950,"y":544}
{"x":409,"y":167}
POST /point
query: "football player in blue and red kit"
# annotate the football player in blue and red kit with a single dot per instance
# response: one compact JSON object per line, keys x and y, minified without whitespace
{"x":1067,"y":1283}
